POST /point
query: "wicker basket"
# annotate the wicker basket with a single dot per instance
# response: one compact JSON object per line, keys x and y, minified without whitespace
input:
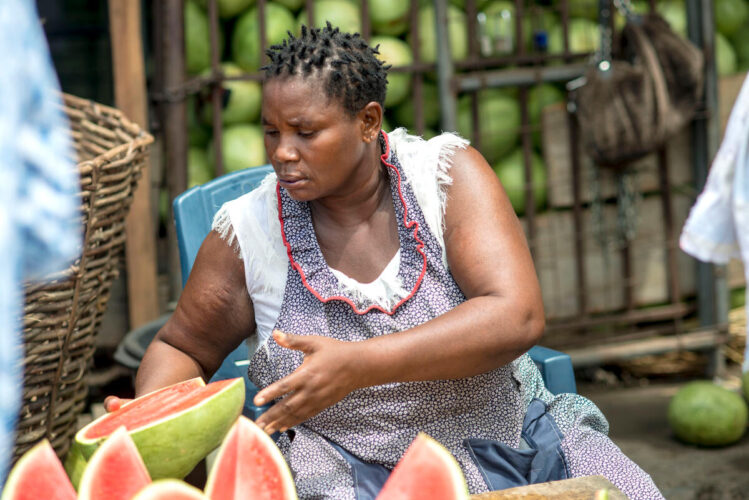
{"x":62,"y":314}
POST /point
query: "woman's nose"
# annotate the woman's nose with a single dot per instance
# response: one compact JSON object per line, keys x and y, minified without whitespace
{"x":286,"y":151}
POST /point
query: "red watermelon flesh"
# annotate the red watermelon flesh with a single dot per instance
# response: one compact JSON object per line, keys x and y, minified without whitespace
{"x":427,"y":471}
{"x":170,"y":489}
{"x":152,"y":407}
{"x":249,"y":465}
{"x":38,"y":474}
{"x":115,"y":471}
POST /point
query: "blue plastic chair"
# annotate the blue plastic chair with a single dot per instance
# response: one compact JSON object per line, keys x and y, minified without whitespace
{"x":193,"y":215}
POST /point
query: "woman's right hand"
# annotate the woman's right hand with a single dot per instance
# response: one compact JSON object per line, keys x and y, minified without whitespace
{"x":113,"y":403}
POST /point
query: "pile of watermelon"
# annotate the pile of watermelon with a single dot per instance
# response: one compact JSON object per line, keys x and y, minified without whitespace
{"x":144,"y":450}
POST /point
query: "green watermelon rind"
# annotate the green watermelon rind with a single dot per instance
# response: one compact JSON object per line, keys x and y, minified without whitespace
{"x":171,"y":447}
{"x":17,"y":472}
{"x":275,"y":454}
{"x":75,"y":464}
{"x":685,"y":408}
{"x":166,"y":488}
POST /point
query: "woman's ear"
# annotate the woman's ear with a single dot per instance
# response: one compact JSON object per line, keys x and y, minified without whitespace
{"x":371,"y":120}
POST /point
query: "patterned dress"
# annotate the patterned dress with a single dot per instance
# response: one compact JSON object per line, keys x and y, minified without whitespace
{"x":504,"y":428}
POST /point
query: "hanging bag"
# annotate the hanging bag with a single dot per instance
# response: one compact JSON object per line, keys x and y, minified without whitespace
{"x":645,"y":86}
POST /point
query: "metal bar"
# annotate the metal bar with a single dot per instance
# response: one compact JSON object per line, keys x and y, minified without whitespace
{"x":473,"y":39}
{"x":217,"y":90}
{"x":577,"y":217}
{"x":418,"y":79}
{"x":534,"y":58}
{"x":672,"y":265}
{"x":637,"y":316}
{"x":366,"y":25}
{"x":517,"y":77}
{"x":628,"y":281}
{"x":309,"y":6}
{"x":174,"y":121}
{"x":530,"y":202}
{"x":703,"y":339}
{"x":444,"y":66}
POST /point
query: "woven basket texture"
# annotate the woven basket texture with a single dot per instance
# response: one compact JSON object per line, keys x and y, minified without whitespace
{"x":62,"y":313}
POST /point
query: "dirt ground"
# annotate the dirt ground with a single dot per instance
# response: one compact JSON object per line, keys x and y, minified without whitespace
{"x":638,"y":424}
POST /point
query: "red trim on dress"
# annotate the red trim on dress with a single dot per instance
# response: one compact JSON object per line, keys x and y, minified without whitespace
{"x":408,"y":224}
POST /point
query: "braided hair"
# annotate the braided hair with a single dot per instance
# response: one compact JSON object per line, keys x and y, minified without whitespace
{"x":349,"y":67}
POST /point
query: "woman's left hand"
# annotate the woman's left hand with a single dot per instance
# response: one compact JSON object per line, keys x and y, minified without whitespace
{"x":328,"y":373}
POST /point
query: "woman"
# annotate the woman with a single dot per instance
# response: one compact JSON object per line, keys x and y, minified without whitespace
{"x":390,"y":290}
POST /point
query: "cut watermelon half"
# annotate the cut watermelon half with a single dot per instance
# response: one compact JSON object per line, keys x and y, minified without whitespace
{"x":173,"y":428}
{"x":427,"y":471}
{"x":38,"y":474}
{"x":170,"y":489}
{"x":115,"y":472}
{"x":249,"y":465}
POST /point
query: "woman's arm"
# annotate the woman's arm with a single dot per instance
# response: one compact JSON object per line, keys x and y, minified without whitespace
{"x":502,"y":318}
{"x":489,"y":259}
{"x":214,"y":314}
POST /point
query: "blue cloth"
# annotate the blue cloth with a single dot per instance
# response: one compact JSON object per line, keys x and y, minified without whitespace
{"x":39,"y":226}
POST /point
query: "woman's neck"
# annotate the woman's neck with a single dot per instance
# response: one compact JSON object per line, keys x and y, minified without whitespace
{"x":370,"y":195}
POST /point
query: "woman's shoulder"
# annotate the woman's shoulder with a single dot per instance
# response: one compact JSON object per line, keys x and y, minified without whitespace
{"x":239,"y":218}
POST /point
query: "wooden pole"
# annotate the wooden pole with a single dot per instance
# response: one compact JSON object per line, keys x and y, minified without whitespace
{"x":130,"y":97}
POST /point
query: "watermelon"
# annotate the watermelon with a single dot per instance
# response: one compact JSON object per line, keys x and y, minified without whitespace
{"x":170,"y":489}
{"x":175,"y":427}
{"x":38,"y":474}
{"x":426,"y":471}
{"x":75,"y":464}
{"x":262,"y":469}
{"x":707,"y":414}
{"x":115,"y":472}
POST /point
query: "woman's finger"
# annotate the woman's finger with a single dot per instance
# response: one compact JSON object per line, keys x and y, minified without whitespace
{"x":278,"y":389}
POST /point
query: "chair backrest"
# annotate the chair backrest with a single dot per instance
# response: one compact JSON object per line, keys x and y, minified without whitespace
{"x":194,"y":209}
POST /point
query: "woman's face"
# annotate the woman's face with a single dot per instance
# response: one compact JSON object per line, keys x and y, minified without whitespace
{"x":315,"y":146}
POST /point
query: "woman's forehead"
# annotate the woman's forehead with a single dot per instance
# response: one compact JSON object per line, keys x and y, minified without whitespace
{"x":301,"y":93}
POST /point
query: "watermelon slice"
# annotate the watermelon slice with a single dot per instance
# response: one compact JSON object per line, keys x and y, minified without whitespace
{"x":175,"y":427}
{"x":38,"y":474}
{"x":249,"y":465}
{"x":426,"y":471}
{"x":75,"y":464}
{"x":115,"y":471}
{"x":170,"y":489}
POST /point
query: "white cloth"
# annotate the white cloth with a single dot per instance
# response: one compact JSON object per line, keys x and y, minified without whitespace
{"x":250,"y":223}
{"x":717,"y":229}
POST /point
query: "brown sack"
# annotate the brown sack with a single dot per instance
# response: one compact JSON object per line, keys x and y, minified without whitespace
{"x":649,"y":93}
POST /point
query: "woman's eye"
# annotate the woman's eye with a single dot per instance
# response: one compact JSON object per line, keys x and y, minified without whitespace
{"x":271,"y":132}
{"x":306,"y":133}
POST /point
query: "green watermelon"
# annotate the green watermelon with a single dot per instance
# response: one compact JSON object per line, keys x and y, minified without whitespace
{"x":389,"y":17}
{"x":198,"y":38}
{"x":745,"y":384}
{"x":706,"y":414}
{"x":170,"y":489}
{"x":174,"y":427}
{"x":38,"y":474}
{"x":342,"y":14}
{"x":244,"y":97}
{"x":395,"y":52}
{"x":726,"y":62}
{"x":457,"y":30}
{"x":245,"y":42}
{"x":249,"y":462}
{"x":511,"y":171}
{"x":243,"y":146}
{"x":405,"y":113}
{"x":426,"y":471}
{"x":499,"y":122}
{"x":115,"y":472}
{"x":75,"y":464}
